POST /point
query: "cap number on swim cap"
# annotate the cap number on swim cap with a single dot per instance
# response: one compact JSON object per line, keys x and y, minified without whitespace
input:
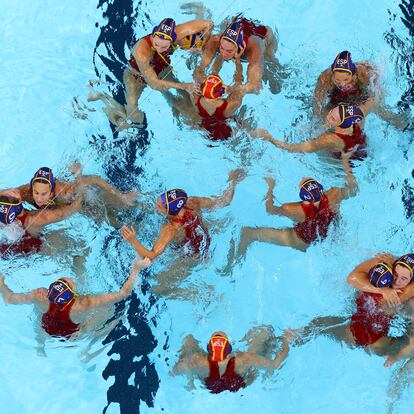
{"x":380,"y":275}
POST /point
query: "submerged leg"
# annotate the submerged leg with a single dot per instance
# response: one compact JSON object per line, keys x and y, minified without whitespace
{"x":273,"y":70}
{"x":171,"y":279}
{"x":133,"y":91}
{"x":400,"y":381}
{"x":336,"y":327}
{"x":282,"y":237}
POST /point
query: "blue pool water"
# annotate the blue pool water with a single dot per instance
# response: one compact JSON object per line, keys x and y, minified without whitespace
{"x":49,"y":52}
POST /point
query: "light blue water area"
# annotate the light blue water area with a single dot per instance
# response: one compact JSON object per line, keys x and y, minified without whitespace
{"x":46,"y":60}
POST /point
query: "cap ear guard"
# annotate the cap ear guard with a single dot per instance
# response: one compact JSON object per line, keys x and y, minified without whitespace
{"x":381,"y":275}
{"x":311,"y":191}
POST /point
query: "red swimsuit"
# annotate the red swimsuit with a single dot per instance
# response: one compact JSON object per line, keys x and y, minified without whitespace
{"x":317,"y":221}
{"x":56,"y":321}
{"x":159,"y":61}
{"x":251,"y":29}
{"x":27,"y":244}
{"x":197,"y":239}
{"x":215,"y":124}
{"x":357,"y":139}
{"x":229,"y":381}
{"x":369,"y":323}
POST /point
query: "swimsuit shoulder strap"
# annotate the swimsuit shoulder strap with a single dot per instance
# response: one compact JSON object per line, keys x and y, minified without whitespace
{"x":220,"y":110}
{"x":214,"y":371}
{"x":231,"y":365}
{"x":147,"y":38}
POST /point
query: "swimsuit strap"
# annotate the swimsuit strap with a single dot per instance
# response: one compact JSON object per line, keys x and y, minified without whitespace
{"x":155,"y":51}
{"x":218,"y":112}
{"x":184,"y":219}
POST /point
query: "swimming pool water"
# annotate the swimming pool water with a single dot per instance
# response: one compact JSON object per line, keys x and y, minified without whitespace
{"x":49,"y":52}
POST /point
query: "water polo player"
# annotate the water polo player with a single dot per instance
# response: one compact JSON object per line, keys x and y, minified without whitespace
{"x":63,"y":307}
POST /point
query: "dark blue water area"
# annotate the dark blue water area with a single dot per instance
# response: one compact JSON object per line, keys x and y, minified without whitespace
{"x":135,"y":379}
{"x":403,"y":45}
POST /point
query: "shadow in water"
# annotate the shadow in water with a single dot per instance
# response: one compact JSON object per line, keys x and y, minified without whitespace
{"x":403,"y":45}
{"x":135,"y":377}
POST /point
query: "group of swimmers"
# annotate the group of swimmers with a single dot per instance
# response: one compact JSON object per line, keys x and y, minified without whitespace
{"x":344,"y":95}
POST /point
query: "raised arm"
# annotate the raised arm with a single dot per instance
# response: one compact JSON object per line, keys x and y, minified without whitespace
{"x":43,"y":217}
{"x":194,"y":26}
{"x":89,"y":302}
{"x":38,"y":296}
{"x":165,"y":237}
{"x":223,"y":200}
{"x":159,"y":84}
{"x":254,"y":71}
{"x":13,"y":192}
{"x":260,"y":362}
{"x":324,"y":141}
{"x":358,"y":278}
{"x":320,"y":92}
{"x":235,"y":98}
{"x":337,"y":194}
{"x":291,"y":210}
{"x":125,"y":198}
{"x":367,"y":106}
{"x":209,"y":51}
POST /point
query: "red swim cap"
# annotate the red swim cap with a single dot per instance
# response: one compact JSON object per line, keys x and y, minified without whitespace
{"x":218,"y":348}
{"x":212,"y":88}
